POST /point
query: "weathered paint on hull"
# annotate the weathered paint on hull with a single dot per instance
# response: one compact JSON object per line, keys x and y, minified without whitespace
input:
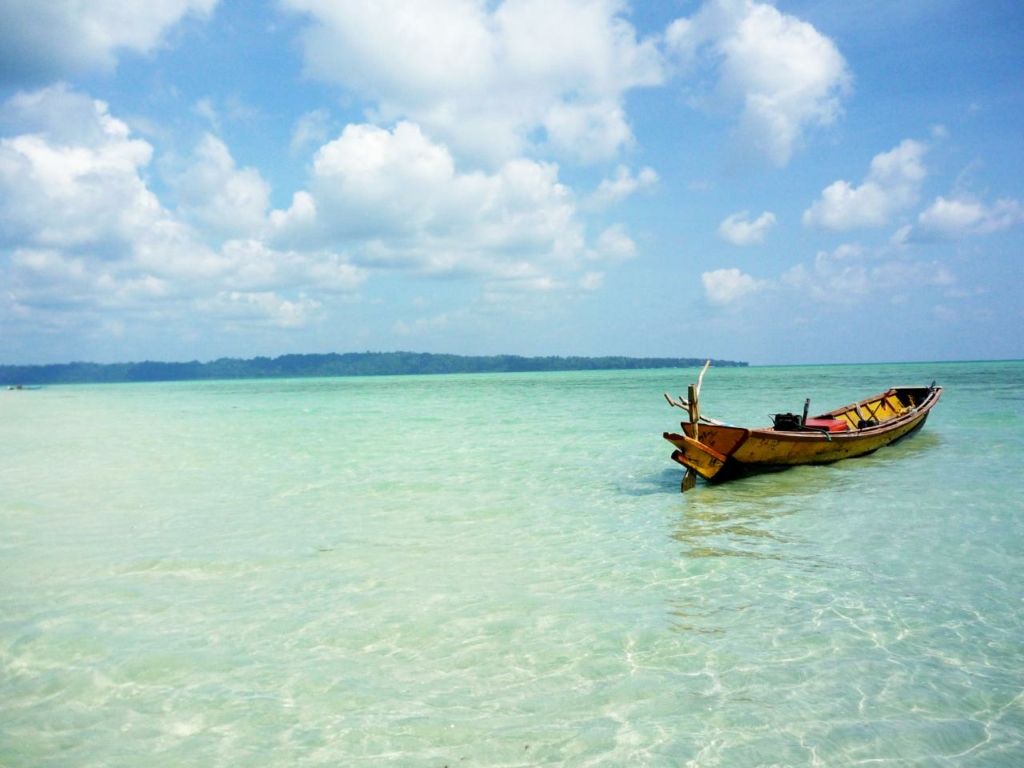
{"x":787,"y":449}
{"x":734,"y":469}
{"x":724,"y":453}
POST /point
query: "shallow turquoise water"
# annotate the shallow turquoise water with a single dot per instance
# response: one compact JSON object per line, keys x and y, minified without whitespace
{"x":499,"y":570}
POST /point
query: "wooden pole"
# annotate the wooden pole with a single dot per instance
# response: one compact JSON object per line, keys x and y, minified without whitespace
{"x":693,"y":395}
{"x":694,"y":408}
{"x":693,"y":405}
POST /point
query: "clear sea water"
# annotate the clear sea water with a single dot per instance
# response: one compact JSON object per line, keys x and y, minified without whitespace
{"x":499,"y":570}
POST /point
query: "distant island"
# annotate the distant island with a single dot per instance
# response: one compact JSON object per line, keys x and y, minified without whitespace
{"x":325,"y":365}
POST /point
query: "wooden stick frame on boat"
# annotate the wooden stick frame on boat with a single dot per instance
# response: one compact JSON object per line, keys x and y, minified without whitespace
{"x":685,"y":405}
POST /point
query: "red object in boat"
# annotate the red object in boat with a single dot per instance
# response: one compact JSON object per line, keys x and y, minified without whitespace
{"x":829,"y":425}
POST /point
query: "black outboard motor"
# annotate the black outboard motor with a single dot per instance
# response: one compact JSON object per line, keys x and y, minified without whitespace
{"x":786,"y":422}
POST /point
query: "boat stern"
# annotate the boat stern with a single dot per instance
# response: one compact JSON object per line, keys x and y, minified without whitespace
{"x":695,"y":455}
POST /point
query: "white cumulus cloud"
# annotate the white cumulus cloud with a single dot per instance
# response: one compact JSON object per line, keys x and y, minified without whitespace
{"x":956,"y":218}
{"x":394,"y":199}
{"x":622,"y":185}
{"x":489,"y":79}
{"x":43,"y":40}
{"x":72,"y":179}
{"x":81,"y":231}
{"x":851,"y":276}
{"x":893,"y":183}
{"x":726,"y":286}
{"x":217,"y":195}
{"x":778,"y":73}
{"x":738,"y":229}
{"x":262,"y":308}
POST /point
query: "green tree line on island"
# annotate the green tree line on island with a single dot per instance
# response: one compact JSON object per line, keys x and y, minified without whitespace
{"x":322,"y":365}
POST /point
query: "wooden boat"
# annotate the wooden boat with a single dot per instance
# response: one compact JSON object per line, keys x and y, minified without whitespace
{"x":719,"y":452}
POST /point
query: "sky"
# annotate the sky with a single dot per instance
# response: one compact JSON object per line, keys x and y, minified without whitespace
{"x":815,"y":181}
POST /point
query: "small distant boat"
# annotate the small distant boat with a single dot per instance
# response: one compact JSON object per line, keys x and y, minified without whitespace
{"x":719,"y":452}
